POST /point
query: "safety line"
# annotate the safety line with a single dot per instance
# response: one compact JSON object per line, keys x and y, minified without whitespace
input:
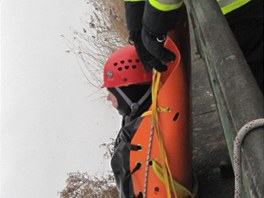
{"x":237,"y":152}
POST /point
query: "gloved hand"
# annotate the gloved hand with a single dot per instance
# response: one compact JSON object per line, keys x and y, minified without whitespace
{"x":156,"y":25}
{"x":149,"y":61}
{"x":149,"y":37}
{"x":155,"y":45}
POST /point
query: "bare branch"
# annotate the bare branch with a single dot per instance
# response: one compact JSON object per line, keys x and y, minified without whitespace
{"x":104,"y":32}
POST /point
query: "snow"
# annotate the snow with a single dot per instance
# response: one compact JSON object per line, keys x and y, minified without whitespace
{"x":49,"y":124}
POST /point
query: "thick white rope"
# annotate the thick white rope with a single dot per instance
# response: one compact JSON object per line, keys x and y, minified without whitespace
{"x":237,"y":152}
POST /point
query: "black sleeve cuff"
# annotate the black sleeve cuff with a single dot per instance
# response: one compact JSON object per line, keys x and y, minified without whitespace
{"x":159,"y":22}
{"x":134,"y":14}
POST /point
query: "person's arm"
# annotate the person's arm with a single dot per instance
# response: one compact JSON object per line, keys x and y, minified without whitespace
{"x":160,"y":16}
{"x":148,"y":23}
{"x":134,"y":10}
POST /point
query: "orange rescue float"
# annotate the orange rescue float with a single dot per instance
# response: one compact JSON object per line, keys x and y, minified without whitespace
{"x":173,"y":113}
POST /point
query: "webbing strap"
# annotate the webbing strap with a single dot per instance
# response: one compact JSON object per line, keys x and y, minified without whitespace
{"x":133,"y":105}
{"x":181,"y":190}
{"x":168,"y":180}
{"x":159,"y":109}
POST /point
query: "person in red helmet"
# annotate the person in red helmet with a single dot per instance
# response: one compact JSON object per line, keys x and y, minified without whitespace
{"x":129,"y":90}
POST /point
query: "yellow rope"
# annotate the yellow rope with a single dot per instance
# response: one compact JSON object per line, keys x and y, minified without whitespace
{"x":168,"y":179}
{"x":159,"y":109}
{"x":181,"y":190}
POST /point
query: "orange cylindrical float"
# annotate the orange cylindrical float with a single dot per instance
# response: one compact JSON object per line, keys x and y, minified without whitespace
{"x":175,"y":129}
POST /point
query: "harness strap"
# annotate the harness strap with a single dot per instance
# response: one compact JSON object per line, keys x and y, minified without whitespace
{"x":134,"y":106}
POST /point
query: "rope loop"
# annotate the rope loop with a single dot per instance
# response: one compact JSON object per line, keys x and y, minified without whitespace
{"x":250,"y":126}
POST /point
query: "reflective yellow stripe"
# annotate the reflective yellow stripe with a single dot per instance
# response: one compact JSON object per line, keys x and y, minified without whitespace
{"x":233,"y":6}
{"x":165,"y":7}
{"x":133,"y":0}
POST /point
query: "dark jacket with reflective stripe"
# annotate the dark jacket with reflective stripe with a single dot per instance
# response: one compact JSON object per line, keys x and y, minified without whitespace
{"x":168,"y":5}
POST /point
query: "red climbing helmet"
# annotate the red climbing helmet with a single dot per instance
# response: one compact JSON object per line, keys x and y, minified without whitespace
{"x":124,"y":68}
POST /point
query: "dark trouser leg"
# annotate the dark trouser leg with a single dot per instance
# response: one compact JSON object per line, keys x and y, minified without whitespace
{"x":251,"y":44}
{"x":247,"y":26}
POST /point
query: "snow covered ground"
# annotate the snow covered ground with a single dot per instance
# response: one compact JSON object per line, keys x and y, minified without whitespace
{"x":49,"y":124}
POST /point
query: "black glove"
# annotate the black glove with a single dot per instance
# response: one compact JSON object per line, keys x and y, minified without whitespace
{"x":149,"y":61}
{"x":156,"y":25}
{"x":155,"y":45}
{"x":149,"y":38}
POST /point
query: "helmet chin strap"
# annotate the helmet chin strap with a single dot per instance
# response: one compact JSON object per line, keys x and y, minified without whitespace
{"x":134,"y":106}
